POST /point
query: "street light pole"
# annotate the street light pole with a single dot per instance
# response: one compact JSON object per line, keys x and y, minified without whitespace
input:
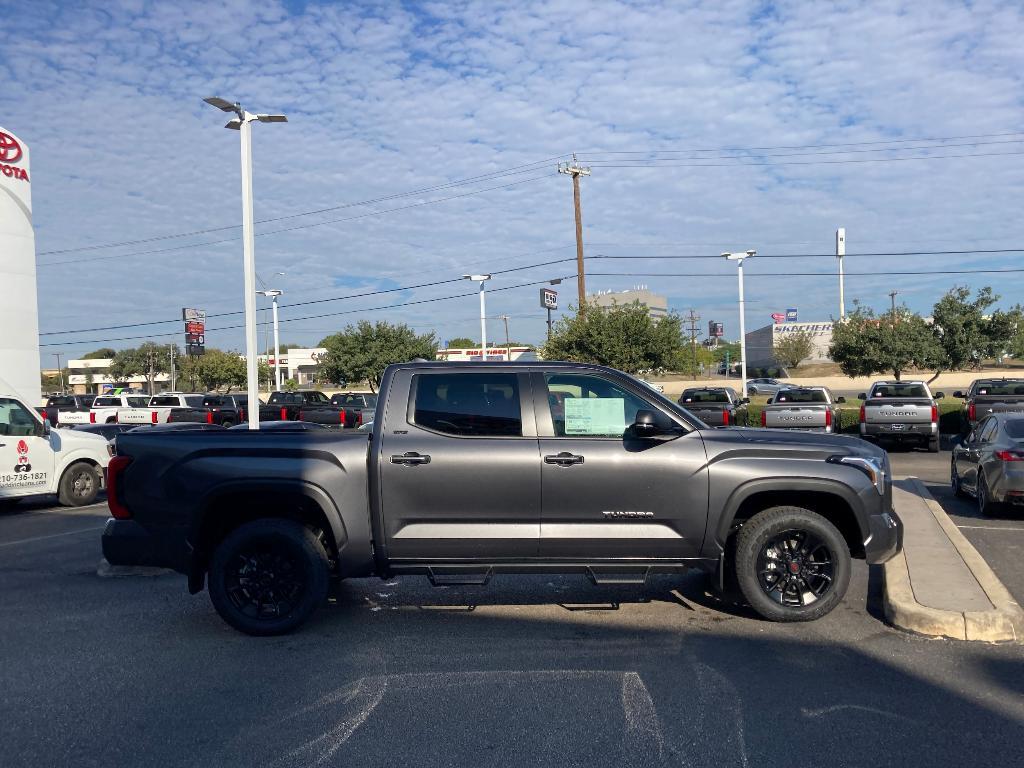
{"x":482,"y":279}
{"x":273,"y":293}
{"x":508,"y":344}
{"x":242,"y":122}
{"x":840,"y":252}
{"x":738,"y":258}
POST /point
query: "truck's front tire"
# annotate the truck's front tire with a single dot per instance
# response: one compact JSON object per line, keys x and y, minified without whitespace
{"x":79,"y":485}
{"x":268,"y":576}
{"x":791,"y":564}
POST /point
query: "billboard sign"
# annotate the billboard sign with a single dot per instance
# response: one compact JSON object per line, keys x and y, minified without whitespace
{"x":791,"y":315}
{"x":548,"y":298}
{"x":195,"y":330}
{"x":715,"y":329}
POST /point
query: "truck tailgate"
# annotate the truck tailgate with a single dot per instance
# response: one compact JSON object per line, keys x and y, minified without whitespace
{"x":74,"y":417}
{"x":713,"y":416}
{"x":897,"y":412}
{"x":795,"y":416}
{"x":140,"y":415}
{"x":983,"y":405}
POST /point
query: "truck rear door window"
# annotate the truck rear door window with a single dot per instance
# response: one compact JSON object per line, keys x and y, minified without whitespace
{"x":469,"y":404}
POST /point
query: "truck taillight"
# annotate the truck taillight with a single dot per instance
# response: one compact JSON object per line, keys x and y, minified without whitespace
{"x":935,"y":414}
{"x":359,"y":419}
{"x":764,"y":418}
{"x":170,"y":416}
{"x":972,"y":412}
{"x":284,"y":414}
{"x":302,"y":415}
{"x":341,"y":417}
{"x":209,"y":417}
{"x":862,"y":419}
{"x":725,"y":418}
{"x":153,"y":416}
{"x":115,"y":471}
{"x":828,"y":417}
{"x":92,"y":417}
{"x":1010,"y":455}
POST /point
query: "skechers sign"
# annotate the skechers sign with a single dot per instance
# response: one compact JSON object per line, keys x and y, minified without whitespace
{"x":11,"y":152}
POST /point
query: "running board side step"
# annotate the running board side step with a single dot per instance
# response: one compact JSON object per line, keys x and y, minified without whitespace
{"x":459,"y":577}
{"x":609,"y":577}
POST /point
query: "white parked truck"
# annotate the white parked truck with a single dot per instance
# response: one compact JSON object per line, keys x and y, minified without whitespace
{"x":105,"y":409}
{"x":159,"y":407}
{"x":36,"y":460}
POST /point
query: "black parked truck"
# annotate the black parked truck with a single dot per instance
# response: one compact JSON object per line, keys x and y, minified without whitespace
{"x":716,"y":406}
{"x":58,"y":404}
{"x":477,"y":468}
{"x":226,"y":410}
{"x":305,"y":405}
{"x":986,"y":396}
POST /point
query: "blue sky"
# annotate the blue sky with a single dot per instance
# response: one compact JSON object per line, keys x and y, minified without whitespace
{"x":387,"y":99}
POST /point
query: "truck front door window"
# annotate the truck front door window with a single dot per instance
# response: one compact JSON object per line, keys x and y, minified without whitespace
{"x":469,"y":404}
{"x":590,"y":406}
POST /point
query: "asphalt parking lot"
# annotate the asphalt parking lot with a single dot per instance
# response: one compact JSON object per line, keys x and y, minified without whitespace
{"x":527,"y":671}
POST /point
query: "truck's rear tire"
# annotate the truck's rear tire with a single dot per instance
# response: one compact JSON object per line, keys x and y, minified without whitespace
{"x":268,"y":576}
{"x":78,"y":485}
{"x":792,"y":564}
{"x":933,"y":445}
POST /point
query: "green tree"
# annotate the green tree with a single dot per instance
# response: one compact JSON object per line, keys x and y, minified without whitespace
{"x":794,"y":347}
{"x":623,"y":337}
{"x":103,"y":353}
{"x":290,"y":385}
{"x":361,"y":352}
{"x":214,"y":370}
{"x":865,"y":345}
{"x":965,"y":333}
{"x":148,"y":359}
{"x":462,"y":342}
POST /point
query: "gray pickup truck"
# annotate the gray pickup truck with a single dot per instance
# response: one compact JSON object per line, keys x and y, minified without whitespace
{"x":716,"y":406}
{"x":987,"y":396}
{"x":901,"y":411}
{"x":472,"y":469}
{"x":809,"y":408}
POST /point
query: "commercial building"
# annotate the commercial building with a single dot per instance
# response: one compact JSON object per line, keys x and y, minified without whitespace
{"x":494,"y":354}
{"x":761,"y":343}
{"x":298,"y":363}
{"x":19,"y":308}
{"x":657,"y":306}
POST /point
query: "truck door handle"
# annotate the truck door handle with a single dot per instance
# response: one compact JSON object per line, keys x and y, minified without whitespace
{"x":563,"y":459}
{"x":410,"y":458}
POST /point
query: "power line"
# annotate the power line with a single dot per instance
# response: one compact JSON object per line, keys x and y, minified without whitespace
{"x":311,"y":301}
{"x":515,"y":170}
{"x":299,"y":226}
{"x":820,"y":255}
{"x":603,"y":164}
{"x":313,"y":317}
{"x":830,"y":275}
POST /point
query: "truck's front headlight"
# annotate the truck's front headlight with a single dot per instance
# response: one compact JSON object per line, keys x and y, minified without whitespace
{"x":871,"y":467}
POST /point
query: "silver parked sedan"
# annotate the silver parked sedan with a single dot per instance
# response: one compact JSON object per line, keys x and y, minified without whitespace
{"x":989,"y":463}
{"x":764,"y":386}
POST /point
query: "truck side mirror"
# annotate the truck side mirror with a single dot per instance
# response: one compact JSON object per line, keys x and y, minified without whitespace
{"x":840,"y":399}
{"x":862,"y":396}
{"x":645,"y":424}
{"x":939,"y":395}
{"x":958,"y":394}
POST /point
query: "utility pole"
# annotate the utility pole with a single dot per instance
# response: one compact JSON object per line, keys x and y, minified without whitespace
{"x":693,"y":319}
{"x":576,"y":170}
{"x":840,"y":252}
{"x":892,"y":297}
{"x":60,"y":372}
{"x":508,"y":344}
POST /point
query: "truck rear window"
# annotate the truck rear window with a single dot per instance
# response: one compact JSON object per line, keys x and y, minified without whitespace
{"x":164,"y":401}
{"x":800,"y":396}
{"x":468,"y":404}
{"x":899,"y":390}
{"x":704,"y":396}
{"x":986,"y":388}
{"x":106,"y":402}
{"x":60,"y":402}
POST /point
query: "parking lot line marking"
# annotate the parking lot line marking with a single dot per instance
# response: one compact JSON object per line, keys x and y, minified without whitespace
{"x":991,"y":528}
{"x":51,"y":536}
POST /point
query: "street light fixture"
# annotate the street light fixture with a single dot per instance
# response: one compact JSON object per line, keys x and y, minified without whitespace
{"x":272,"y":294}
{"x":242,"y":122}
{"x":482,"y":279}
{"x":738,"y":258}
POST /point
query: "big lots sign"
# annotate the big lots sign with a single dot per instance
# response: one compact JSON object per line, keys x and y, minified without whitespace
{"x":11,"y":153}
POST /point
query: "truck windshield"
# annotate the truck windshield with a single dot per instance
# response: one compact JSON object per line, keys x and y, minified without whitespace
{"x":987,"y":388}
{"x":801,"y":396}
{"x":704,"y":396}
{"x":899,"y":390}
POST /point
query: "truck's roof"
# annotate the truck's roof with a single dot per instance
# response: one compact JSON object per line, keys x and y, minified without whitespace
{"x":893,"y":382}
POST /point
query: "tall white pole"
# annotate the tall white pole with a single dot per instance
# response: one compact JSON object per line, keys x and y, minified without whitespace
{"x":277,"y":349}
{"x":249,"y":258}
{"x":483,"y":323}
{"x":743,"y":333}
{"x":840,"y":252}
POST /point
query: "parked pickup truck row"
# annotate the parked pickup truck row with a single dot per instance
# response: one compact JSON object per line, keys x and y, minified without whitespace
{"x":809,"y":408}
{"x":475,"y":469}
{"x":106,"y":409}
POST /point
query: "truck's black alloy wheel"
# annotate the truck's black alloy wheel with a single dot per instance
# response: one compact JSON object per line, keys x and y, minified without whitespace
{"x":792,"y":564}
{"x":268,"y":576}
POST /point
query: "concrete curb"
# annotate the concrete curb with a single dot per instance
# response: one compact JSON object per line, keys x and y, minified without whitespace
{"x":1003,"y":623}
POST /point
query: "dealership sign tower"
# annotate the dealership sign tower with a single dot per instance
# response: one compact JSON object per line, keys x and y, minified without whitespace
{"x":19,"y":310}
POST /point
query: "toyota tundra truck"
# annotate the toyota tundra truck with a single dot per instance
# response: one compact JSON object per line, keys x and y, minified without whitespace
{"x":106,"y":409}
{"x":901,"y":411}
{"x":810,"y":408}
{"x":716,"y":406}
{"x":160,"y":407}
{"x":986,"y":396}
{"x":473,"y":469}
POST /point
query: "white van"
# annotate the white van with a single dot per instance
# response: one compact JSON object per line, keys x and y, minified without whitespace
{"x":35,"y":459}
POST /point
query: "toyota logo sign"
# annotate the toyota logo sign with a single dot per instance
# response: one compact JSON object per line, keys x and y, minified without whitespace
{"x":10,"y":149}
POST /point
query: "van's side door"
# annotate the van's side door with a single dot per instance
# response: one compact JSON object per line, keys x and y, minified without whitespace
{"x":459,"y":466}
{"x":608,"y":494}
